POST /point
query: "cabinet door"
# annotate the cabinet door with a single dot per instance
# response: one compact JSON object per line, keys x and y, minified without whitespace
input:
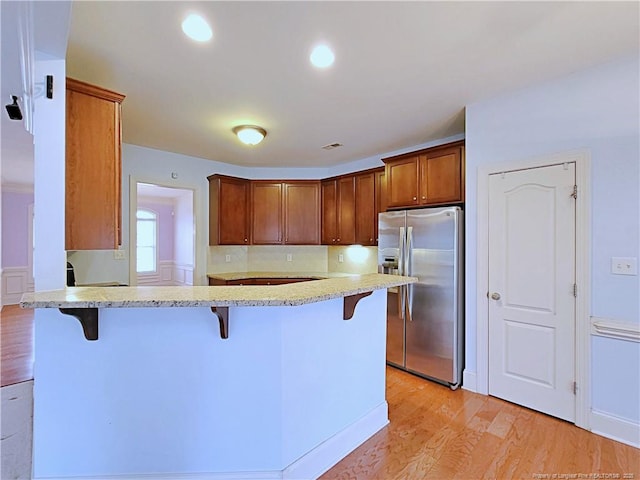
{"x":440,"y":179}
{"x":402,"y":182}
{"x":346,"y":211}
{"x":92,"y":168}
{"x":381,"y":198}
{"x":302,"y":213}
{"x":329,"y":194}
{"x":365,"y":209}
{"x":266,"y":213}
{"x":228,"y":211}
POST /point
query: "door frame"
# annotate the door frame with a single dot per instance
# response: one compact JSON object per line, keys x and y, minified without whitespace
{"x":133,"y":226}
{"x":582,"y":160}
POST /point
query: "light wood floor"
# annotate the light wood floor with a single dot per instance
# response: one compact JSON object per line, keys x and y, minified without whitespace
{"x":436,"y":433}
{"x":16,"y":345}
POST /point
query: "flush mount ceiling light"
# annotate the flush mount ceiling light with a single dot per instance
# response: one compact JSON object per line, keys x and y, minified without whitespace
{"x":250,"y":134}
{"x":197,"y":28}
{"x":322,"y":56}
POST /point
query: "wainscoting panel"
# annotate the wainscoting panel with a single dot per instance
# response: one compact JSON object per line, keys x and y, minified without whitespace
{"x":169,"y":273}
{"x":15,"y":282}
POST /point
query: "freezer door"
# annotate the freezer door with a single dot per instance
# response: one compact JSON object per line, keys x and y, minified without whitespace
{"x":434,"y":317}
{"x":391,"y":241}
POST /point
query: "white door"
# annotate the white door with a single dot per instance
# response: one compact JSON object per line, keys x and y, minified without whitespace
{"x":531,"y":288}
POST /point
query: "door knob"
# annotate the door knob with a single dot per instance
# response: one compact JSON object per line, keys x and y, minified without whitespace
{"x":495,"y":296}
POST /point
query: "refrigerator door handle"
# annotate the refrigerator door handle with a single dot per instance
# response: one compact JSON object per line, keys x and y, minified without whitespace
{"x":402,"y":244}
{"x":408,"y":271}
{"x":407,"y":254}
{"x":402,"y":288}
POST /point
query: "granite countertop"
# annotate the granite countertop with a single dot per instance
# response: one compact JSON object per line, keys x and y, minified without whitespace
{"x":264,"y":295}
{"x":240,"y":275}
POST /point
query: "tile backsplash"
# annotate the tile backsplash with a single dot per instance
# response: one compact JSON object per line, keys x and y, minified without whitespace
{"x":305,"y":258}
{"x":352,"y":259}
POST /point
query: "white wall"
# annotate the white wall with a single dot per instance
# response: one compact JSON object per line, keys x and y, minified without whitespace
{"x":596,"y":110}
{"x":49,"y":257}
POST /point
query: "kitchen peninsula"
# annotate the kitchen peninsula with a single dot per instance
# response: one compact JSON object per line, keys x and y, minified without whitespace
{"x":214,"y":382}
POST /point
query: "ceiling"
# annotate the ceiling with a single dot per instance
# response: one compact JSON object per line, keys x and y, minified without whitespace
{"x":404,"y":71}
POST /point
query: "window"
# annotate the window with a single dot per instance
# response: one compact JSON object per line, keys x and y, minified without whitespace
{"x":147,"y":241}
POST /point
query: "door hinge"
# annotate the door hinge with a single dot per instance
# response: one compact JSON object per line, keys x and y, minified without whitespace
{"x":575,"y":388}
{"x":575,"y":192}
{"x":575,"y":290}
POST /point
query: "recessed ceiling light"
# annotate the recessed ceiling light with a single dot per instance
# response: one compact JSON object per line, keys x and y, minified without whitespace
{"x":322,"y":56}
{"x":197,"y":28}
{"x":250,"y":134}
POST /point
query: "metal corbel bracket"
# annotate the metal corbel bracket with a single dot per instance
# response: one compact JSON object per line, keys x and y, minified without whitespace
{"x":350,"y":303}
{"x":88,"y":319}
{"x":223,"y":317}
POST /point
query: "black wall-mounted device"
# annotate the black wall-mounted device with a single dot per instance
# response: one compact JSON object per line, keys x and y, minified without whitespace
{"x":13,"y":109}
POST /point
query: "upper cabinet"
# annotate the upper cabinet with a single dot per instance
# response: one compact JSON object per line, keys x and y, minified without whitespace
{"x":228,"y":210}
{"x":263,"y":212}
{"x":93,"y":167}
{"x":381,"y":197}
{"x":302,"y":213}
{"x":267,"y":217}
{"x":366,"y":218}
{"x":285,"y":212}
{"x":339,"y":211}
{"x":429,"y":177}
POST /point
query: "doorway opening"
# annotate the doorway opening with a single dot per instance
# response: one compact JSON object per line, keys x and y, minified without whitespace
{"x":162,"y":235}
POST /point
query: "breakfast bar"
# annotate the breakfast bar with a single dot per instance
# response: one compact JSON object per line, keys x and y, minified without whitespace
{"x":278,"y":381}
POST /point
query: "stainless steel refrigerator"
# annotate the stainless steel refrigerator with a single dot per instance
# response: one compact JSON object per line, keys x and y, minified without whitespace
{"x":425,"y":319}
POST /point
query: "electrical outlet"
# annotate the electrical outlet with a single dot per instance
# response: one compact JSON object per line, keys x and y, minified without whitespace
{"x":227,"y":258}
{"x":118,"y":254}
{"x":340,"y":258}
{"x":289,"y":257}
{"x":624,"y":265}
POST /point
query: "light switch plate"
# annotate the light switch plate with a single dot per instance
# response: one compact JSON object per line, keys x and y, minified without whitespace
{"x":227,"y":258}
{"x":289,"y":257}
{"x":624,"y":265}
{"x":340,"y":258}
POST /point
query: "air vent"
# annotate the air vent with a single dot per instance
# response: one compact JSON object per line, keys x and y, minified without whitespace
{"x":331,"y":146}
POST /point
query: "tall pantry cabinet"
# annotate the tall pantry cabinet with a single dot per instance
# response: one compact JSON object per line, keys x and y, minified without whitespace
{"x":93,"y":167}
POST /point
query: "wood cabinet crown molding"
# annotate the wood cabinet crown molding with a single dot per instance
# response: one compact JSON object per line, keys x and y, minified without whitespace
{"x":94,"y":91}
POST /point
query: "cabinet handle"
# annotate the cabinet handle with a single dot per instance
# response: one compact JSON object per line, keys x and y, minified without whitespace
{"x":338,"y":240}
{"x":424,"y":198}
{"x":245,"y":239}
{"x":415,"y":198}
{"x":333,"y":240}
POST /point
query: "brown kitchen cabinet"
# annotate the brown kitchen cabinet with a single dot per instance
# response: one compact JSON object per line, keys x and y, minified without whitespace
{"x":365,"y":201}
{"x":228,"y":210}
{"x":302,"y":213}
{"x":285,"y":212}
{"x":338,"y":211}
{"x":381,"y":196}
{"x":93,"y":211}
{"x":429,"y":177}
{"x":267,"y":218}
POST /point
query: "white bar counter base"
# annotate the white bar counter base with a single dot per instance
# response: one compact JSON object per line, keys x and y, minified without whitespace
{"x":291,"y":391}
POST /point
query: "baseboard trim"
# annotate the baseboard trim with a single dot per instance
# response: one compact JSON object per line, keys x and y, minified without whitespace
{"x":308,"y":467}
{"x":469,"y":380}
{"x":615,"y":428}
{"x":328,"y":453}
